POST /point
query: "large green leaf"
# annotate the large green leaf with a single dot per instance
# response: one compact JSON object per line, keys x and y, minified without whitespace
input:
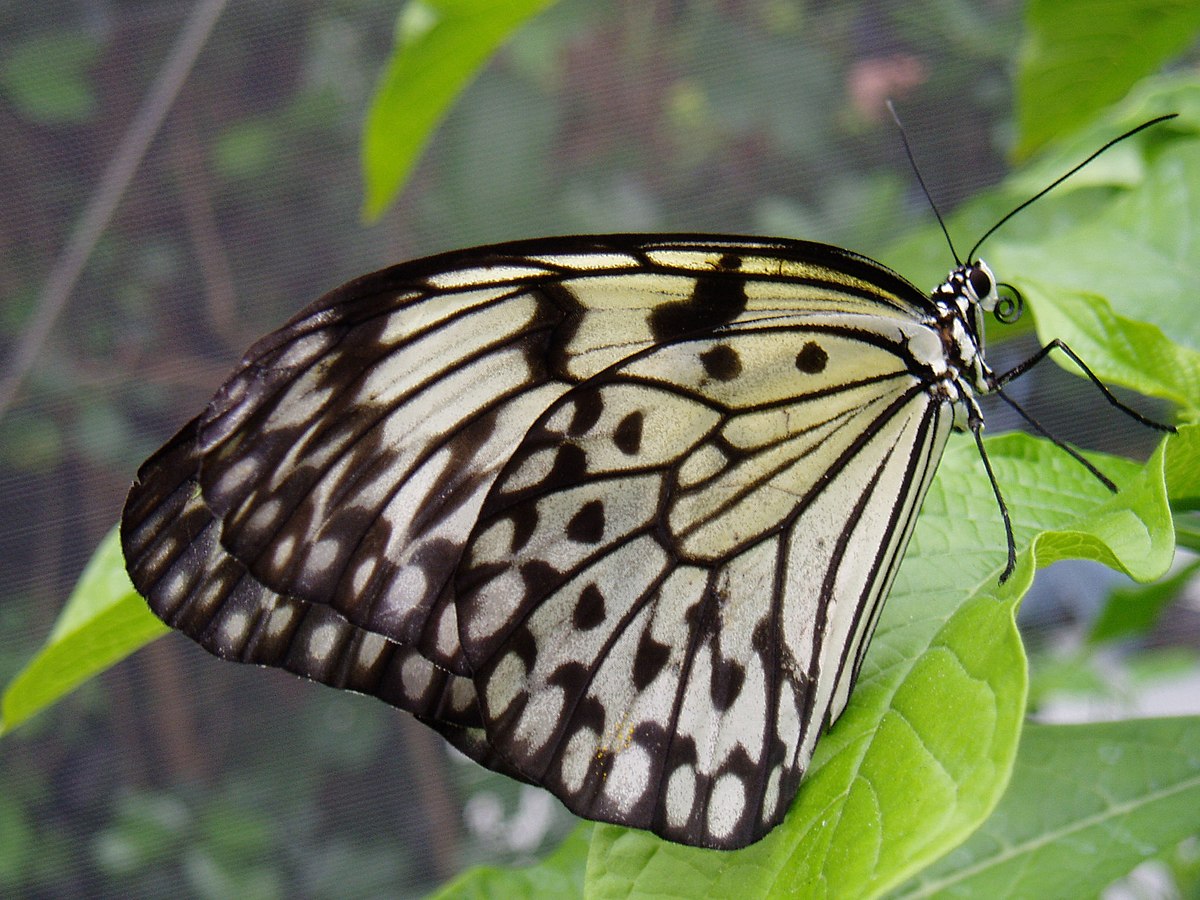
{"x":440,"y":46}
{"x":1089,"y":835}
{"x":1079,"y":56}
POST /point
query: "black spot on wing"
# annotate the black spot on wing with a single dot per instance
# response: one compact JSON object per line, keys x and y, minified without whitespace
{"x":721,"y":362}
{"x":628,"y":433}
{"x":588,"y":407}
{"x":524,"y":518}
{"x":539,"y":576}
{"x":570,"y":466}
{"x":587,"y":525}
{"x":728,"y":676}
{"x":590,"y":713}
{"x":523,"y":644}
{"x":812,"y":358}
{"x":650,"y":659}
{"x":572,"y":676}
{"x":716,"y":300}
{"x":590,"y":609}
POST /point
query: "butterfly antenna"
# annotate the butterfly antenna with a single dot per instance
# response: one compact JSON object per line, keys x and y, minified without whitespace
{"x":1057,"y":181}
{"x":921,"y":181}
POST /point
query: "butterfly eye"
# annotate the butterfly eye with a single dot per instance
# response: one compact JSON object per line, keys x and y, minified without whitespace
{"x":981,"y":282}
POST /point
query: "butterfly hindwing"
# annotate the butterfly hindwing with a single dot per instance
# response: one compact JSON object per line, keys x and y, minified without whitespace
{"x":171,"y":542}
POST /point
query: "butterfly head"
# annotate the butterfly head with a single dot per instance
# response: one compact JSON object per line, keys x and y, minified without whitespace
{"x":970,"y":290}
{"x":969,"y":286}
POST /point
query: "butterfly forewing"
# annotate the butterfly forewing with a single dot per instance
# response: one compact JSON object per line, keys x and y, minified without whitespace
{"x":659,"y":629}
{"x":616,"y":515}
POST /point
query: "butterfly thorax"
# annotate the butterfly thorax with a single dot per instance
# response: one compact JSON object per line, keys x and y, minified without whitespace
{"x":968,"y":292}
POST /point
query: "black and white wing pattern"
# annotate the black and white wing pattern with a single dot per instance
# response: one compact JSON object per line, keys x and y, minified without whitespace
{"x":616,"y":515}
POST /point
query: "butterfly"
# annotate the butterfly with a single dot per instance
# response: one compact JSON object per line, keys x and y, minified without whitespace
{"x":616,"y":515}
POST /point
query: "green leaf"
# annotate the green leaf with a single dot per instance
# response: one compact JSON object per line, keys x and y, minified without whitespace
{"x":1079,"y":56}
{"x":559,"y":875}
{"x":1122,"y":793}
{"x":1183,"y":472}
{"x":440,"y":46}
{"x":1132,"y":353}
{"x":924,"y":750}
{"x":103,"y":622}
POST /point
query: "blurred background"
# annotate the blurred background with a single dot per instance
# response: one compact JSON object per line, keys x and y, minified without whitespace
{"x":174,"y":773}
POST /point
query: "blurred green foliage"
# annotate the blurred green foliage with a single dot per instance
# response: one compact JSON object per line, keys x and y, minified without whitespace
{"x":1077,"y":58}
{"x":68,"y":98}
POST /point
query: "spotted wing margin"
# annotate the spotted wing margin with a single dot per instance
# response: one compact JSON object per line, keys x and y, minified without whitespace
{"x":348,"y":456}
{"x":674,"y":579}
{"x":169,"y":538}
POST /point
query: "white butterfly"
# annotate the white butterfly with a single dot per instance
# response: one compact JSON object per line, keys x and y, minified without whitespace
{"x":616,"y":515}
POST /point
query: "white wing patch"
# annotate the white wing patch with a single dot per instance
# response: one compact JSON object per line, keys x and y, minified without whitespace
{"x":614,"y":515}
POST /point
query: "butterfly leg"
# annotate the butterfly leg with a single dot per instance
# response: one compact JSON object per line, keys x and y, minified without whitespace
{"x":966,"y":403}
{"x":996,"y":385}
{"x":998,"y":381}
{"x":976,"y":425}
{"x":1062,"y":445}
